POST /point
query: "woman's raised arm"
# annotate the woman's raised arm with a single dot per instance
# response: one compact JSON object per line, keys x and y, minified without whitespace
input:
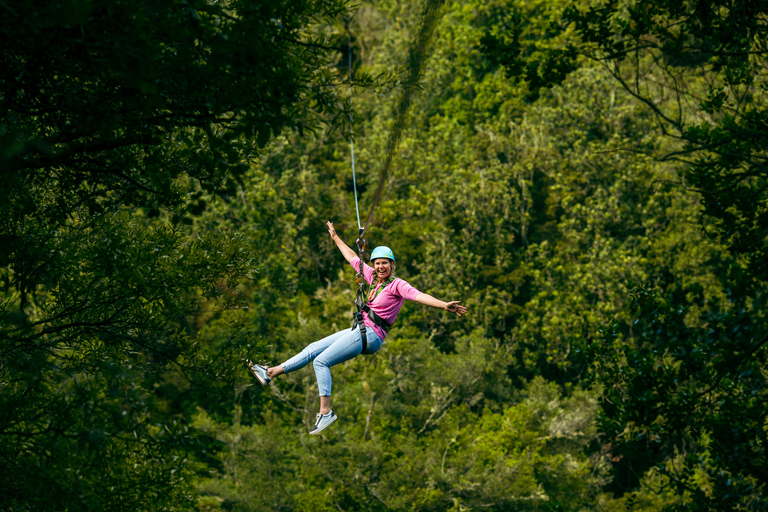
{"x":348,"y":253}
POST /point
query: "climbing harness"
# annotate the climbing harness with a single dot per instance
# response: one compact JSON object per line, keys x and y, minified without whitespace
{"x":357,"y":318}
{"x":362,"y":307}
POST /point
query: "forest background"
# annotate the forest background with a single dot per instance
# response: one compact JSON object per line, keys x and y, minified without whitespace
{"x":588,"y":178}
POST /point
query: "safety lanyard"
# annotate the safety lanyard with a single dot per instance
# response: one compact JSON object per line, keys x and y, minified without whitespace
{"x":376,"y":292}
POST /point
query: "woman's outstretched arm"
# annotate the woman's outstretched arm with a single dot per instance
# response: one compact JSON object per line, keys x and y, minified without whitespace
{"x":453,"y":306}
{"x":348,"y":253}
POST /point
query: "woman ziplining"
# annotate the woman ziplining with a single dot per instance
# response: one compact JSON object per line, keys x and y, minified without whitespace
{"x":385,"y":299}
{"x":374,"y":318}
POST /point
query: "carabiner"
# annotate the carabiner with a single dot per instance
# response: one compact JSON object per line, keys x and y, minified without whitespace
{"x":360,"y":242}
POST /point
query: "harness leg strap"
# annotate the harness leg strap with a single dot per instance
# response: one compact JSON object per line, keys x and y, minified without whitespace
{"x":361,"y":325}
{"x":364,"y":336}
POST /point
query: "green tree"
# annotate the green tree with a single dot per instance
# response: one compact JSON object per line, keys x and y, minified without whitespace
{"x":119,"y":122}
{"x":524,"y":203}
{"x":483,"y":181}
{"x":671,"y":381}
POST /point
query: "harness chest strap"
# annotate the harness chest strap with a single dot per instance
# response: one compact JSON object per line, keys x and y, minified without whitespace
{"x":375,"y":292}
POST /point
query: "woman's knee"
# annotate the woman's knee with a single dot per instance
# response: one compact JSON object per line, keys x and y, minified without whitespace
{"x":319,"y":363}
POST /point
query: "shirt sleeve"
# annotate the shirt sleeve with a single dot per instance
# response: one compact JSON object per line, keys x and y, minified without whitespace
{"x":403,"y":289}
{"x":367,"y":269}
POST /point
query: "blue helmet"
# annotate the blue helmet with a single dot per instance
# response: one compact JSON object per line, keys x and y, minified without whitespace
{"x":382,"y":252}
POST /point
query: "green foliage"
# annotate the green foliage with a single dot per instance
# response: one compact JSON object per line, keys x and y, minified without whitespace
{"x":532,"y":214}
{"x":536,"y":215}
{"x":613,"y":357}
{"x":131,"y":96}
{"x":707,"y":58}
{"x":698,"y":68}
{"x":120,"y":122}
{"x":521,"y":457}
{"x":81,"y":427}
{"x":671,"y":370}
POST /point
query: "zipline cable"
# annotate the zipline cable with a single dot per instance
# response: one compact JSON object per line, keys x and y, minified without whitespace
{"x":417,"y":56}
{"x":359,"y":276}
{"x":351,"y":125}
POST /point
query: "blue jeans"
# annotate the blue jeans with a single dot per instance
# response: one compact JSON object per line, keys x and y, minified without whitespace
{"x":330,"y":351}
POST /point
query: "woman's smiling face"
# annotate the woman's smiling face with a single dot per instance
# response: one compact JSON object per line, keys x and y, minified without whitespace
{"x":383,"y":268}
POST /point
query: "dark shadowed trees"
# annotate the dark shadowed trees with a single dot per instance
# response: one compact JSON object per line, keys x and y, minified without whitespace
{"x":116,"y":118}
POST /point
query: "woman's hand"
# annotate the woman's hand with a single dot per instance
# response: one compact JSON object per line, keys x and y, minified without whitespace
{"x":455,"y":307}
{"x":348,"y":253}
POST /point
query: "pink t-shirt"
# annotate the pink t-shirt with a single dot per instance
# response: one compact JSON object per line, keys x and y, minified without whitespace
{"x":388,"y":302}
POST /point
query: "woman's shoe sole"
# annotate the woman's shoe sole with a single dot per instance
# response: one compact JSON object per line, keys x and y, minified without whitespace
{"x":257,"y":375}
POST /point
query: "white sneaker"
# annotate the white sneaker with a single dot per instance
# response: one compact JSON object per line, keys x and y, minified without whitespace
{"x":260,"y":372}
{"x":323,"y":420}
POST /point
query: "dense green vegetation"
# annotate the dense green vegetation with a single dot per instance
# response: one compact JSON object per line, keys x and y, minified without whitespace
{"x":588,"y":178}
